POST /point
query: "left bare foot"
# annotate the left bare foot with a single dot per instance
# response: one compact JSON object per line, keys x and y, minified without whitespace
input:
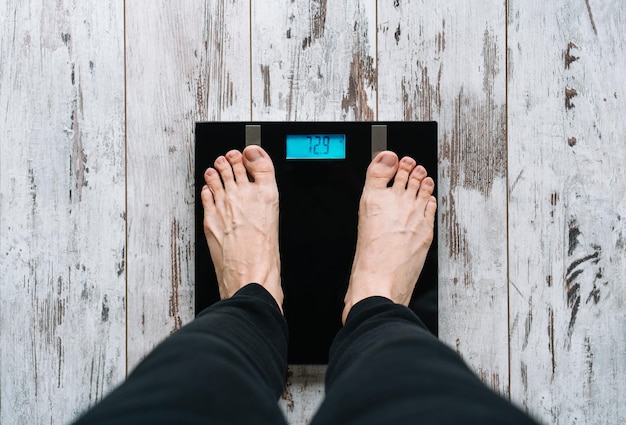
{"x":240,"y":203}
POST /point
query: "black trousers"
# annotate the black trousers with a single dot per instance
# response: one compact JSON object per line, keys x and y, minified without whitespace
{"x":229,"y":366}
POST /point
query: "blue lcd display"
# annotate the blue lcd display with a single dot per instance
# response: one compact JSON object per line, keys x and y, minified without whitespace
{"x":316,"y":146}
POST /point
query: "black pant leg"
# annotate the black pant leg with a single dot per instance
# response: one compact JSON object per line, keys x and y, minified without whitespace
{"x":386,"y":368}
{"x":228,"y":366}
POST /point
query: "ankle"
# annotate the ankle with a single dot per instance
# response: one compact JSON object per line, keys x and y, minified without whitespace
{"x":353,"y":298}
{"x":346,"y":311}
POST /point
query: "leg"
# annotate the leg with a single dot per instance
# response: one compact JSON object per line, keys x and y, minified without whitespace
{"x":228,"y":366}
{"x":385,"y":367}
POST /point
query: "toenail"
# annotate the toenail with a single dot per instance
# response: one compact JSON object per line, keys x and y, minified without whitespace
{"x":220,"y":160}
{"x":388,"y":160}
{"x":252,"y":154}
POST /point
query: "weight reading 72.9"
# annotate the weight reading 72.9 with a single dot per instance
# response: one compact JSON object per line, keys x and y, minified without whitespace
{"x":319,"y":145}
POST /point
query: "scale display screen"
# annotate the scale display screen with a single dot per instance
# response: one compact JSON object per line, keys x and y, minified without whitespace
{"x":316,"y":146}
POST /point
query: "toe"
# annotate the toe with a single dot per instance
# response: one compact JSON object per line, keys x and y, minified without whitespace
{"x":208,"y":202}
{"x":208,"y":205}
{"x":415,"y":179}
{"x":235,"y":159}
{"x":426,"y":190}
{"x":405,"y":167}
{"x":258,"y":164}
{"x":381,"y":170}
{"x":431,"y":209}
{"x":226,"y":171}
{"x":214,"y":184}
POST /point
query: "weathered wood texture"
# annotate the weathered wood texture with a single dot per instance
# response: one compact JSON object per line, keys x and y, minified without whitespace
{"x":313,"y":60}
{"x":65,"y":228}
{"x":567,"y":211}
{"x":447,"y":63}
{"x":62,"y":213}
{"x":164,"y":54}
{"x":185,"y":62}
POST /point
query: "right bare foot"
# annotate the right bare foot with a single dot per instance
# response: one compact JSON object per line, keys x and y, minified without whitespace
{"x":396,"y":229}
{"x":240,"y":201}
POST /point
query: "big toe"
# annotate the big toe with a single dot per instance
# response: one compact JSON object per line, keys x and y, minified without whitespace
{"x":258,"y":164}
{"x":381,"y":170}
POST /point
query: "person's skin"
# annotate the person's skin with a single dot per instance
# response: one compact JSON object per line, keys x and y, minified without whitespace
{"x":395,"y":230}
{"x":240,"y":201}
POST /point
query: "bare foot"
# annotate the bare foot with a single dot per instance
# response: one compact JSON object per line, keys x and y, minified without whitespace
{"x":240,"y":203}
{"x":396,"y":228}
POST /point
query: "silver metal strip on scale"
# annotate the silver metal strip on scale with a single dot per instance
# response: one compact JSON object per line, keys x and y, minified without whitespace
{"x":379,"y":139}
{"x":253,"y":135}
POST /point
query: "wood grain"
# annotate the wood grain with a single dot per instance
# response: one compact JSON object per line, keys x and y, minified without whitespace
{"x":62,"y":220}
{"x":447,"y":63}
{"x":185,"y":62}
{"x":313,"y":60}
{"x":164,"y":51}
{"x":566,"y":214}
{"x":557,"y":187}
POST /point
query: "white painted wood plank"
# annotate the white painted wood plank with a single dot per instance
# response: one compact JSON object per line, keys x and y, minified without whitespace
{"x":312,"y":60}
{"x":446,"y":62}
{"x":567,"y":222}
{"x":186,"y":61}
{"x":226,"y":73}
{"x":62,"y":212}
{"x":304,"y":392}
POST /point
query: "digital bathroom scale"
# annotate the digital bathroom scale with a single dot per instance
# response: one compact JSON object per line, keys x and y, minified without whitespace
{"x":320,"y":171}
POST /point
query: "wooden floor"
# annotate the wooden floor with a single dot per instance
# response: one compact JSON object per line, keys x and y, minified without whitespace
{"x":98,"y":102}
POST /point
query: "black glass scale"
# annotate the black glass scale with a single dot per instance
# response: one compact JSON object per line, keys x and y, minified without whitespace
{"x":320,"y":170}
